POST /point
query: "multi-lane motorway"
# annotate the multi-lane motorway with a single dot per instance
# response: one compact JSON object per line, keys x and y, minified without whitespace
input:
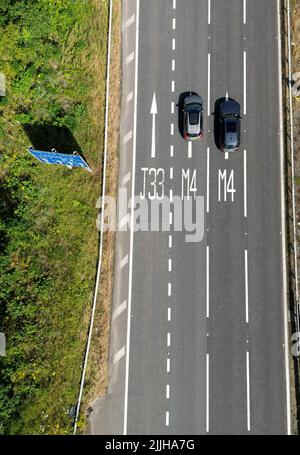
{"x":206,"y":330}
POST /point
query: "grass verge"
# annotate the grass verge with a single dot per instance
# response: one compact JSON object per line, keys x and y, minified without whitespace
{"x":53,"y":55}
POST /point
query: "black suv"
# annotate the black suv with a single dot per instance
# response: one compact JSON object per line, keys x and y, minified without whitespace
{"x":230,"y":125}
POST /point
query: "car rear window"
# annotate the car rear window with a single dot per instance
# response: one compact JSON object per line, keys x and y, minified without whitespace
{"x":194,"y":118}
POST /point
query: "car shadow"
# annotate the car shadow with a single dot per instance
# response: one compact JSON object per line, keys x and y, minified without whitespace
{"x":217,"y":131}
{"x":181,"y":99}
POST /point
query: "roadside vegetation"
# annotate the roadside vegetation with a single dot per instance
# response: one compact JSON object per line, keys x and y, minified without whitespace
{"x":53,"y":54}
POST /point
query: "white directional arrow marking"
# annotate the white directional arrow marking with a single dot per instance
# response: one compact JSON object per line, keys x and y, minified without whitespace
{"x":153,"y":111}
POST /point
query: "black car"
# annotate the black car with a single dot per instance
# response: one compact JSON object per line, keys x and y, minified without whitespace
{"x":192,"y":117}
{"x":230,"y":125}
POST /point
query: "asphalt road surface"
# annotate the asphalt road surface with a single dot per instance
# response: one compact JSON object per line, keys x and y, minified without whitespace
{"x":206,"y":333}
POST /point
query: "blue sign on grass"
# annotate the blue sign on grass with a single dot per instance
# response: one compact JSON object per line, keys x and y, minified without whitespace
{"x":59,"y":158}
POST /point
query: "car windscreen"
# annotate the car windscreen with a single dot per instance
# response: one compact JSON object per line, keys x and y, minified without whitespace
{"x":194,"y":117}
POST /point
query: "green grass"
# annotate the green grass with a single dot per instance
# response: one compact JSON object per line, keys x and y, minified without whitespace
{"x":53,"y":54}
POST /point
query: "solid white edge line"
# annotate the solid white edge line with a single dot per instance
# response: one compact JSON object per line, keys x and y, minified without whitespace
{"x":246,"y":287}
{"x":207,"y":393}
{"x":208,"y":84}
{"x":132,"y":217}
{"x":207,"y":281}
{"x":207,"y":180}
{"x":245,"y":185}
{"x":283,"y":229}
{"x":245,"y":82}
{"x":248,"y":392}
{"x":102,"y":225}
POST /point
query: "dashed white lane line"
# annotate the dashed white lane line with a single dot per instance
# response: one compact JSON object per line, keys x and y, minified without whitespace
{"x":123,"y":262}
{"x":245,"y":82}
{"x":120,"y":309}
{"x":118,"y":356}
{"x":171,"y":151}
{"x":245,"y":11}
{"x":174,"y":23}
{"x":207,"y":179}
{"x":190,"y":149}
{"x":209,"y":11}
{"x":169,"y":314}
{"x":168,"y":365}
{"x":248,"y":391}
{"x":127,"y":137}
{"x":207,"y":393}
{"x":173,"y":65}
{"x":245,"y":185}
{"x":169,"y":289}
{"x":208,"y":84}
{"x":167,"y":392}
{"x":226,"y":156}
{"x":130,"y":58}
{"x":170,"y":218}
{"x":173,"y":44}
{"x":129,"y":97}
{"x":167,"y":418}
{"x":173,"y":86}
{"x":174,"y":4}
{"x":130,"y":21}
{"x":168,"y":339}
{"x":171,"y":173}
{"x":246,"y":287}
{"x":207,"y":281}
{"x":170,"y":241}
{"x":126,"y":179}
{"x":172,"y":129}
{"x":171,"y":195}
{"x":172,"y":107}
{"x":170,"y":265}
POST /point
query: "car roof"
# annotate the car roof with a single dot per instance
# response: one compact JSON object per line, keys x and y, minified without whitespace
{"x":230,"y":107}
